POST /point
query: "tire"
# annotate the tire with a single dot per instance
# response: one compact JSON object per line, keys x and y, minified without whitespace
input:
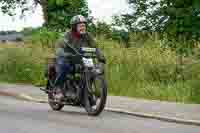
{"x":55,"y":106}
{"x":103,"y":98}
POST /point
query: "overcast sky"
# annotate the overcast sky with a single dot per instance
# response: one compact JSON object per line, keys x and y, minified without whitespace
{"x":101,"y":9}
{"x":104,"y":9}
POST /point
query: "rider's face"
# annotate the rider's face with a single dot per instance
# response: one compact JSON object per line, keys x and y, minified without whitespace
{"x":81,"y":28}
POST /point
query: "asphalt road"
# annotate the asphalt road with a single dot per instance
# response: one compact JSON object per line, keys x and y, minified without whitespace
{"x":27,"y":117}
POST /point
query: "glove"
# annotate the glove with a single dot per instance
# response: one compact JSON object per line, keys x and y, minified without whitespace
{"x":100,"y":56}
{"x":102,"y":60}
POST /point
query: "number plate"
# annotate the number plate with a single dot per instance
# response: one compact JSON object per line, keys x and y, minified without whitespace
{"x":88,"y":62}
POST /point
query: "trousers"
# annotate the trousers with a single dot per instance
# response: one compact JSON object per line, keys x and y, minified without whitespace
{"x":62,"y":69}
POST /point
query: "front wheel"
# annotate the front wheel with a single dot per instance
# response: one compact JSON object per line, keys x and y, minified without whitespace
{"x":95,"y":95}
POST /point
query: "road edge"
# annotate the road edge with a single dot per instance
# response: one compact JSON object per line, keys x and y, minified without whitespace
{"x":115,"y":110}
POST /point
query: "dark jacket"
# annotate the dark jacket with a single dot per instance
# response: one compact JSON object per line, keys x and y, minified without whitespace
{"x":65,"y":45}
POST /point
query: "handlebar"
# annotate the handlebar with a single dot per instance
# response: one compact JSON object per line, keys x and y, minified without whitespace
{"x":83,"y":50}
{"x":82,"y":55}
{"x":87,"y":50}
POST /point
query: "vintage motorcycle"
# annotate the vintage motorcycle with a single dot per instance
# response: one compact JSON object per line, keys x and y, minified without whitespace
{"x":85,"y":86}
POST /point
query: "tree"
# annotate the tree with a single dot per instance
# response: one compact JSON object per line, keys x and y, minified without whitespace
{"x":57,"y":13}
{"x":103,"y":29}
{"x":179,"y":19}
{"x":9,"y":6}
{"x":126,"y":21}
{"x":163,"y":15}
{"x":144,"y":16}
{"x":60,"y":12}
{"x":182,"y":24}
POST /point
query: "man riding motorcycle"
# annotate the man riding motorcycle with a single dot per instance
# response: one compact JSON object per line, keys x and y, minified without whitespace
{"x":74,"y":39}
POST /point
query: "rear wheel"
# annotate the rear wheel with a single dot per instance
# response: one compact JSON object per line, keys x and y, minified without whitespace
{"x":55,"y":105}
{"x":95,"y":95}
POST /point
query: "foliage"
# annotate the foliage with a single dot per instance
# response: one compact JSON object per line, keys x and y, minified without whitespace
{"x":9,"y":6}
{"x":22,"y":64}
{"x":178,"y":18}
{"x":159,"y":15}
{"x":60,"y":12}
{"x":42,"y":36}
{"x":57,"y":13}
{"x":128,"y":21}
{"x":103,"y":29}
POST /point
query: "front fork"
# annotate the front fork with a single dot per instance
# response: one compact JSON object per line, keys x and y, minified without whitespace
{"x":88,"y":97}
